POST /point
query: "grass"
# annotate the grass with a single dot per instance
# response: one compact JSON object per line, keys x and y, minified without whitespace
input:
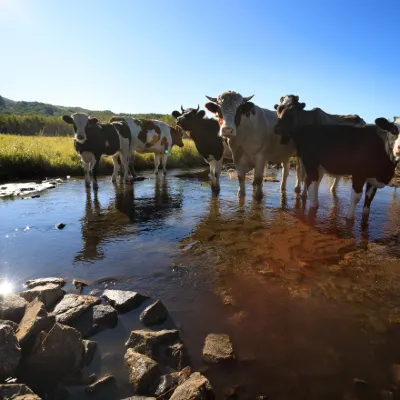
{"x":23,"y":157}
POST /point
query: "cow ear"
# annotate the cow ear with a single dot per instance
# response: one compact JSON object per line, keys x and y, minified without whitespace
{"x":201,"y":113}
{"x":93,"y":121}
{"x":68,"y":119}
{"x":302,"y":105}
{"x":212,"y":107}
{"x":281,"y":99}
{"x":176,"y":114}
{"x":247,"y":107}
{"x":296,"y":98}
{"x":276,"y":106}
{"x":384,"y":124}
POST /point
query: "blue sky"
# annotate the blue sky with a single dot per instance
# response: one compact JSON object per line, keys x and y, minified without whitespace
{"x":154,"y":55}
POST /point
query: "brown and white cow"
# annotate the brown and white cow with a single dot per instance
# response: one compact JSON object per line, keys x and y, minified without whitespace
{"x":92,"y":140}
{"x":152,"y":136}
{"x":369,"y":153}
{"x":251,"y":138}
{"x":204,"y":132}
{"x":316,"y":116}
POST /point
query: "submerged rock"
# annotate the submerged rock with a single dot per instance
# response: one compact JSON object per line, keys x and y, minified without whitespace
{"x":170,"y":382}
{"x":155,"y":314}
{"x":197,"y":387}
{"x":143,"y":371}
{"x":218,"y":347}
{"x":72,"y":306}
{"x":12,"y":307}
{"x":104,"y":384}
{"x":34,"y":321}
{"x":79,"y":284}
{"x":124,"y":301}
{"x":44,"y":281}
{"x":10,"y":352}
{"x":49,"y":294}
{"x":89,"y":352}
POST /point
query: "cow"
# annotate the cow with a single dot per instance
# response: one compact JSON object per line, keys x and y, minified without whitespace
{"x":204,"y":132}
{"x":316,"y":116}
{"x":369,"y":153}
{"x":92,"y":140}
{"x":250,"y":133}
{"x":152,"y":136}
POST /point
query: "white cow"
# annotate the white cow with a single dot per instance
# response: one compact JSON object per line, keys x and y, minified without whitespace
{"x":251,"y":138}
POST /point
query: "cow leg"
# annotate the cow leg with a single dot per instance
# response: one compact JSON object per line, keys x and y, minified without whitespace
{"x":299,"y":170}
{"x":242,"y":184}
{"x":116,"y":162}
{"x":156,"y":163}
{"x":132,"y":164}
{"x":164,"y":158}
{"x":259,"y":178}
{"x":125,"y":156}
{"x":86,"y":158}
{"x":370,"y":192}
{"x":93,"y":166}
{"x":335,"y":184}
{"x":312,"y":183}
{"x":217,"y":174}
{"x":285,"y":174}
{"x":356,"y":194}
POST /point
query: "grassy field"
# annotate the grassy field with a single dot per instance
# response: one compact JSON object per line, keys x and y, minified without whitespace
{"x":23,"y":157}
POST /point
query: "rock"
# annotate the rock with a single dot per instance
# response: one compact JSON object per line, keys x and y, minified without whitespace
{"x":26,"y":397}
{"x":143,"y":371}
{"x":44,"y":281}
{"x":60,"y":226}
{"x":55,"y":355}
{"x":79,"y":378}
{"x":10,"y":352}
{"x":103,"y":384}
{"x":11,"y":391}
{"x":34,"y":321}
{"x":11,"y":324}
{"x":94,"y":292}
{"x":79,"y":284}
{"x":89,"y":352}
{"x":12,"y":307}
{"x":72,"y":306}
{"x":49,"y":294}
{"x":124,"y":301}
{"x":95,"y":320}
{"x":139,"y":398}
{"x":170,"y":382}
{"x":155,"y":314}
{"x":197,"y":387}
{"x":218,"y":347}
{"x":395,"y":373}
{"x":163,"y":346}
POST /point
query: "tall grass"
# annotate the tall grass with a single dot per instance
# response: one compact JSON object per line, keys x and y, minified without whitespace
{"x":23,"y":157}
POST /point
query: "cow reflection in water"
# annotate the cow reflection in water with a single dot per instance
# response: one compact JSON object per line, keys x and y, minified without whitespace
{"x":124,"y":216}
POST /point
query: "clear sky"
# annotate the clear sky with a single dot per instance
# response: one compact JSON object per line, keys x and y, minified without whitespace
{"x":154,"y":55}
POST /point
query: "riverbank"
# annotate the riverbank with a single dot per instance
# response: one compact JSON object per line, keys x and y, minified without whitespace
{"x":25,"y":157}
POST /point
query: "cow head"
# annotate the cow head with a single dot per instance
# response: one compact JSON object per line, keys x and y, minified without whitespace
{"x":288,"y":112}
{"x":229,"y":107}
{"x":176,"y":135}
{"x":287,"y":101}
{"x":393,"y":138}
{"x":189,"y":118}
{"x":80,"y":122}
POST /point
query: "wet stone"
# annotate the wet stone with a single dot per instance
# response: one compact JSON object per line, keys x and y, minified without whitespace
{"x":124,"y":301}
{"x":395,"y":373}
{"x":11,"y":324}
{"x":49,"y":294}
{"x":170,"y":382}
{"x":34,"y":321}
{"x":10,"y":352}
{"x":72,"y":306}
{"x":27,"y":397}
{"x":44,"y":281}
{"x":10,"y":391}
{"x":94,"y":292}
{"x":218,"y":347}
{"x":197,"y":387}
{"x":60,"y":226}
{"x":12,"y":307}
{"x":90,"y":348}
{"x":143,"y":371}
{"x":139,"y":398}
{"x":155,"y":314}
{"x":104,"y":384}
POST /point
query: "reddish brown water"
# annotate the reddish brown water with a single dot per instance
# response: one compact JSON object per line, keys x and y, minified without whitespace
{"x":310,"y":302}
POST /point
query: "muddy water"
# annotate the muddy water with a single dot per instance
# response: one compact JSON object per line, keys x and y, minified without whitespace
{"x":310,"y":301}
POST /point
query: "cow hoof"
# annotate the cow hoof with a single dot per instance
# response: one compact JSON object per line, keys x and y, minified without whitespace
{"x":156,"y":173}
{"x":365,"y":211}
{"x":258,"y":196}
{"x":215,"y":189}
{"x":87,"y":184}
{"x":241,"y":195}
{"x":254,"y":183}
{"x":297,"y":189}
{"x":164,"y":173}
{"x":95,"y":185}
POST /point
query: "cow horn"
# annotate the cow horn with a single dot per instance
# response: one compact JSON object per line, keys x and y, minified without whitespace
{"x":246,"y":99}
{"x":182,"y":109}
{"x":213,"y":99}
{"x":198,"y":107}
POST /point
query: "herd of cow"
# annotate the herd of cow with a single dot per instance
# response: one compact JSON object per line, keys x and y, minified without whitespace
{"x":250,"y":136}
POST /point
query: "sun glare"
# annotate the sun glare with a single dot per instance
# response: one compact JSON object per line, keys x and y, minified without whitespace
{"x":6,"y":287}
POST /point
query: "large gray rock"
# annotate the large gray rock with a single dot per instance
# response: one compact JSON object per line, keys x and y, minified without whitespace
{"x":49,"y":294}
{"x":155,"y":314}
{"x":143,"y":371}
{"x":12,"y":307}
{"x":10,"y":352}
{"x":123,"y":300}
{"x":197,"y":387}
{"x":163,"y":346}
{"x":218,"y":347}
{"x":89,"y":353}
{"x":34,"y":321}
{"x":44,"y":281}
{"x":14,"y":390}
{"x":72,"y":306}
{"x":54,"y":356}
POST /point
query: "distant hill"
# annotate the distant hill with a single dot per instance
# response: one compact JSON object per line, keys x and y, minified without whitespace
{"x":8,"y":106}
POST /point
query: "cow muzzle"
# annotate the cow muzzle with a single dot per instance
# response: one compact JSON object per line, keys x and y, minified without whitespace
{"x":80,"y":138}
{"x":227,"y":132}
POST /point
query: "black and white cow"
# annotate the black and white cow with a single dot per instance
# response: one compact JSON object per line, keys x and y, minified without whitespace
{"x":204,"y":132}
{"x":368,"y":153}
{"x":92,"y":140}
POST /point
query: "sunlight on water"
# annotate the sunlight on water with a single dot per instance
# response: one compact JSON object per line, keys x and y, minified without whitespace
{"x":6,"y":287}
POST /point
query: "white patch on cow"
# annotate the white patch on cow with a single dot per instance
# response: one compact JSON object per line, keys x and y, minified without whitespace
{"x":228,"y":110}
{"x":376,"y":183}
{"x":370,"y":191}
{"x":80,"y":121}
{"x":313,"y":194}
{"x":355,"y":198}
{"x":287,"y":101}
{"x":210,"y":158}
{"x":396,"y":146}
{"x":107,"y":143}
